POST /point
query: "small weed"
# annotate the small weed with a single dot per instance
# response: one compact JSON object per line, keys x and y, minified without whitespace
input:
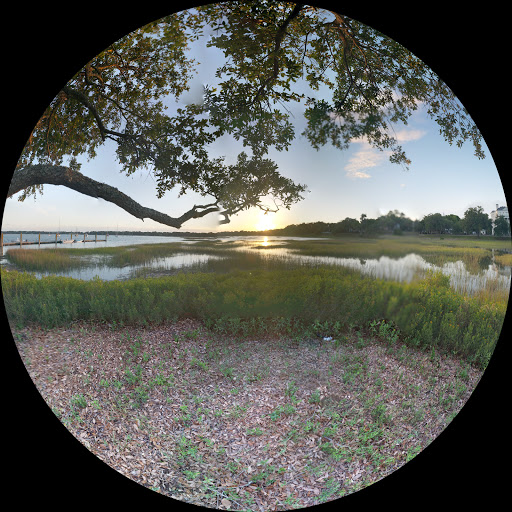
{"x":78,"y":400}
{"x":463,"y":372}
{"x":267,"y":473}
{"x":290,"y":391}
{"x":186,"y":450}
{"x":238,"y":411}
{"x":282,"y":410}
{"x":379,"y":414}
{"x":133,"y":378}
{"x":254,"y":431}
{"x":311,"y":426}
{"x":417,"y":416}
{"x":361,"y":342}
{"x":331,"y":487}
{"x":412,"y":452}
{"x":96,"y":405}
{"x":330,"y":431}
{"x":369,"y":433}
{"x":228,"y":371}
{"x":254,"y":376}
{"x":199,"y":364}
{"x":314,"y":398}
{"x":139,"y":396}
{"x":191,"y":335}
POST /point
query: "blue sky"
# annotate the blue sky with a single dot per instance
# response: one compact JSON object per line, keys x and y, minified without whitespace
{"x":341,"y":184}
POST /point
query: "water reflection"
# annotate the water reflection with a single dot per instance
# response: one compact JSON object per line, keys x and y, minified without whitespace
{"x":410,"y":267}
{"x":95,"y":267}
{"x":403,"y":269}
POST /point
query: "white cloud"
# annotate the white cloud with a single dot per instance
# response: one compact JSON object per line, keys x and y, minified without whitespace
{"x":409,"y":135}
{"x":358,"y":175}
{"x":366,"y":158}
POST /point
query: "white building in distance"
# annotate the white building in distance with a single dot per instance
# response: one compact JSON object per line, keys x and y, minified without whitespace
{"x":501,"y":211}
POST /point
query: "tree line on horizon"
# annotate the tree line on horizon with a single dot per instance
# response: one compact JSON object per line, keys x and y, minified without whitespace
{"x":475,"y":221}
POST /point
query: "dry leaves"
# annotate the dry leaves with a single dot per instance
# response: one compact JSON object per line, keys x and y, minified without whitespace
{"x":266,"y":424}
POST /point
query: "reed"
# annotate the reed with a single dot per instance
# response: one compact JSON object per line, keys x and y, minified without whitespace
{"x":428,"y":312}
{"x":52,"y":260}
{"x":504,"y":259}
{"x":393,"y":247}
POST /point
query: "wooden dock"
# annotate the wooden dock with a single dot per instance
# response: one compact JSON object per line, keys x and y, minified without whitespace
{"x":22,"y":242}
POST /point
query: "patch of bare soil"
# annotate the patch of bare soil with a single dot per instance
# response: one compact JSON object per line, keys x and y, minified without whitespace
{"x":254,"y":424}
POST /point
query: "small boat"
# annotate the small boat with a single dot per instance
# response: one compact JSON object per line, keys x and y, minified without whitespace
{"x":68,"y":241}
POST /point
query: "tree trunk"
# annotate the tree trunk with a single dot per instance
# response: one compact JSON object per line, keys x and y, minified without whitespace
{"x":59,"y":175}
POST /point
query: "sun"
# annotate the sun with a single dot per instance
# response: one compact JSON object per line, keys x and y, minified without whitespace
{"x":265,"y":222}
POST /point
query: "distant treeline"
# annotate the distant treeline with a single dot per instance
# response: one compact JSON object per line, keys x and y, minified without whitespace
{"x":474,"y":222}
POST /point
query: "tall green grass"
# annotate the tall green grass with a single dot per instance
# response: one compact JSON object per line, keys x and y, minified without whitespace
{"x":52,"y":260}
{"x":428,"y":313}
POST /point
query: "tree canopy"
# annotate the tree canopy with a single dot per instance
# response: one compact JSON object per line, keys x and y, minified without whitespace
{"x":361,"y":83}
{"x":501,"y":226}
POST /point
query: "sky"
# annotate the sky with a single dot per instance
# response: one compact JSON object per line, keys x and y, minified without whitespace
{"x":341,"y":184}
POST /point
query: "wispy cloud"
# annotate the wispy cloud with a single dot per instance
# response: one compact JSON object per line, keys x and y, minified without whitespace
{"x":368,"y":157}
{"x":364,"y":159}
{"x":409,"y":135}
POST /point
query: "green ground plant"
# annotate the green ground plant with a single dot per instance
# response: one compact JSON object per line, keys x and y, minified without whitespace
{"x":427,"y":313}
{"x":247,"y":294}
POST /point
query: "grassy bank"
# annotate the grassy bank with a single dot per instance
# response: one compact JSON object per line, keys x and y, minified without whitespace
{"x":324,"y":301}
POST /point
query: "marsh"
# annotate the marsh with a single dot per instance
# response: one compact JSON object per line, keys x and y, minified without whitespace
{"x":472,"y":266}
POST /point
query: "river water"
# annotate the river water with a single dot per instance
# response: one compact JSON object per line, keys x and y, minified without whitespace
{"x":403,"y":269}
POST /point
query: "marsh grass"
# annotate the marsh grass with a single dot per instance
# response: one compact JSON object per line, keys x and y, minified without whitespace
{"x":244,"y":291}
{"x":437,"y":250}
{"x":238,"y":254}
{"x":53,"y":260}
{"x":504,"y":259}
{"x":323,"y":301}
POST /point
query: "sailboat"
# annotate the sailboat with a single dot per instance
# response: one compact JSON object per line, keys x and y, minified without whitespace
{"x":70,"y":241}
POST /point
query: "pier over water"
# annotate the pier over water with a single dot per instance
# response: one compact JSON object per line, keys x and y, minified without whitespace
{"x":13,"y":239}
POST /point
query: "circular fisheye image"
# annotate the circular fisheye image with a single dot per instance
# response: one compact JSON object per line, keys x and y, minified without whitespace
{"x":255,"y":256}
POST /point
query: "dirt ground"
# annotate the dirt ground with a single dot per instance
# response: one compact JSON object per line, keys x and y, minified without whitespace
{"x":252,"y":424}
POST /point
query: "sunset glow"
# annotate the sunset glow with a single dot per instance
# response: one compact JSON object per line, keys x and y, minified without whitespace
{"x":265,"y":222}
